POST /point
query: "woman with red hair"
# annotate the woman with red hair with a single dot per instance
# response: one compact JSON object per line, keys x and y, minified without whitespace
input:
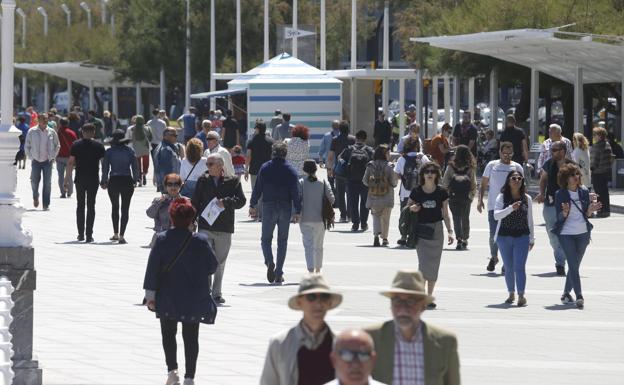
{"x":177,"y":287}
{"x":298,"y":148}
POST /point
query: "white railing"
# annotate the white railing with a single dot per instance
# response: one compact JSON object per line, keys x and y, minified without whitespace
{"x":6,"y":347}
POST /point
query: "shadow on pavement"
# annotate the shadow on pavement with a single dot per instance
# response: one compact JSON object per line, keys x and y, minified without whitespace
{"x":546,"y":275}
{"x":262,"y":284}
{"x":491,"y":275}
{"x":74,"y":242}
{"x":501,"y":306}
{"x":560,"y":307}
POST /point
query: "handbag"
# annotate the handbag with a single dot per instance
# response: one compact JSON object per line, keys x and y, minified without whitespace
{"x":328,"y":213}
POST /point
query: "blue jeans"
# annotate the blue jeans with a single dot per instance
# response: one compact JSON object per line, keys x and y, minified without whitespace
{"x":357,"y":194}
{"x":275,"y":213}
{"x":61,"y":165}
{"x":493,"y":223}
{"x":341,"y":191}
{"x":35,"y":178}
{"x":514,"y":251}
{"x":550,"y":217}
{"x":574,"y":247}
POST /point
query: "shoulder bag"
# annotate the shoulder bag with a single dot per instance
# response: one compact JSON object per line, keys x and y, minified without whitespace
{"x":328,"y":213}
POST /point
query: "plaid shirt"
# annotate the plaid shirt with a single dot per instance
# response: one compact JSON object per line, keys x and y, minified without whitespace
{"x":409,"y":359}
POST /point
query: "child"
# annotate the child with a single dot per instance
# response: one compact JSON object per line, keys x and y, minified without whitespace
{"x":238,"y":160}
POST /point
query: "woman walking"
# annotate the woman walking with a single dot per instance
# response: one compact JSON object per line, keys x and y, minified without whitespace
{"x":381,"y":180}
{"x":120,"y":172}
{"x":580,"y":155}
{"x":313,"y":191}
{"x":159,"y":209}
{"x":460,"y":180}
{"x":177,"y":288}
{"x":574,"y":205}
{"x":140,"y":136}
{"x":514,"y":233}
{"x":298,"y":148}
{"x":192,"y":167}
{"x":430,"y":201}
{"x":601,"y":162}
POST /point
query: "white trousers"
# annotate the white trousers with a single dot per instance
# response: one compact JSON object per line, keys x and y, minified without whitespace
{"x":312,"y":234}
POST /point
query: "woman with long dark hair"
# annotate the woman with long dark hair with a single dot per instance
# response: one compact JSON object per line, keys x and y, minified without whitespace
{"x":514,"y":233}
{"x":120,"y":173}
{"x":141,"y":137}
{"x":461,"y":182}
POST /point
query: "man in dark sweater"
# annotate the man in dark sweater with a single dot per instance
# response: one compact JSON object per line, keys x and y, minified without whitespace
{"x":383,"y":130}
{"x":278,"y":186}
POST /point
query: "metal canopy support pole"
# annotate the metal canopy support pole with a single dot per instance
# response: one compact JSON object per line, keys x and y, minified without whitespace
{"x":471,"y":97}
{"x":323,"y":37}
{"x":434,"y":105}
{"x":295,"y":25}
{"x":239,"y":63}
{"x":24,"y":91}
{"x":139,"y":102}
{"x":213,"y":62}
{"x":91,"y":95}
{"x":456,"y":99}
{"x":578,"y":99}
{"x":46,"y":95}
{"x":534,"y":128}
{"x":163,"y":89}
{"x":494,"y":101}
{"x":386,"y":56}
{"x":115,"y":100}
{"x":187,"y":43}
{"x":401,"y":105}
{"x":266,"y":28}
{"x":447,"y":99}
{"x":353,"y":114}
{"x":353,"y":34}
{"x":622,"y":107}
{"x":419,"y":98}
{"x":70,"y":95}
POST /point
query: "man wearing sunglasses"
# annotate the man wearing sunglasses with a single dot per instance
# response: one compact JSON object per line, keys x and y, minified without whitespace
{"x":301,"y":355}
{"x":353,"y":358}
{"x":410,"y":351}
{"x":166,"y":159}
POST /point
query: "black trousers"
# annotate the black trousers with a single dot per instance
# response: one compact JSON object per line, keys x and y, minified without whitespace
{"x":86,"y":192}
{"x":460,"y":209}
{"x":600,"y":183}
{"x":190,"y":335}
{"x":120,"y":186}
{"x":341,"y":185}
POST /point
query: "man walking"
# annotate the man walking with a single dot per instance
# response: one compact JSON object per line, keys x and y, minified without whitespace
{"x":409,"y":350}
{"x":518,"y":138}
{"x":382,"y":132}
{"x":258,"y":152}
{"x":278,"y":186}
{"x":98,"y":123}
{"x":188,"y":122}
{"x":353,"y":357}
{"x":42,"y":146}
{"x":202,"y":135}
{"x":493,"y":179}
{"x":337,"y":170}
{"x":282,"y":131}
{"x":357,"y":157}
{"x":466,"y":133}
{"x":158,"y":127}
{"x":548,"y":186}
{"x":85,"y":156}
{"x":554,"y":135}
{"x":67,"y":137}
{"x":213,"y":147}
{"x":230,"y":132}
{"x":301,"y":355}
{"x":166,"y":159}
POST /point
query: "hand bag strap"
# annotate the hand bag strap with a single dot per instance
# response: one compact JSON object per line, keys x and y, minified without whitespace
{"x":169,"y":266}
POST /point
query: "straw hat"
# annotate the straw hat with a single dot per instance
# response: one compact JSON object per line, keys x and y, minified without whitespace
{"x":314,"y":283}
{"x":408,"y":282}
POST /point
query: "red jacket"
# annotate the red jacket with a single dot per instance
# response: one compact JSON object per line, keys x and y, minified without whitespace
{"x":67,"y":137}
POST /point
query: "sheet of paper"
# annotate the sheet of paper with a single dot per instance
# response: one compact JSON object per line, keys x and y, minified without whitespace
{"x":212,"y":211}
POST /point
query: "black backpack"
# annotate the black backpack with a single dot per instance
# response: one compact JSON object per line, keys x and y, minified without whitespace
{"x":460,"y":184}
{"x":409,"y":178}
{"x":358,"y":160}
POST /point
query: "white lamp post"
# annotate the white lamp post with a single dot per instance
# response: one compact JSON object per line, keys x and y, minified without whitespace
{"x":87,"y":9}
{"x":67,"y":11}
{"x":187,"y":82}
{"x":43,"y":13}
{"x":22,"y":16}
{"x":103,"y":4}
{"x":46,"y":85}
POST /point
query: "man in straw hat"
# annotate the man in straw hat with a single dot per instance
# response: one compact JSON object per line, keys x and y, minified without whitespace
{"x":353,"y":357}
{"x":409,"y":350}
{"x":301,"y":355}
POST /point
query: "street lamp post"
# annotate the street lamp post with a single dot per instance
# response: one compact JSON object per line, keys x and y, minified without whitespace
{"x":46,"y":85}
{"x":187,"y":82}
{"x":104,"y":3}
{"x":67,"y":11}
{"x":22,"y":16}
{"x":87,"y":9}
{"x":43,"y":13}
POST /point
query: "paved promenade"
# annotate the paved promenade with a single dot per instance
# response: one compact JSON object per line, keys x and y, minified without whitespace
{"x":89,"y":329}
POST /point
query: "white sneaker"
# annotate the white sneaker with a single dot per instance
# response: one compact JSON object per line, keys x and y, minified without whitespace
{"x":189,"y":381}
{"x":173,"y":378}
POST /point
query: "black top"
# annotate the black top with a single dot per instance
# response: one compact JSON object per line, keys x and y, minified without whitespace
{"x":465,"y":135}
{"x":515,"y":224}
{"x":315,"y":366}
{"x":552,"y":169}
{"x":431,"y":203}
{"x":341,"y":142}
{"x":515,"y":135}
{"x":260,"y":146}
{"x":382,"y":132}
{"x":229,"y":138}
{"x":88,"y":154}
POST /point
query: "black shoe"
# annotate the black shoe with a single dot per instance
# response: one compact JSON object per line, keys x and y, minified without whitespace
{"x":560,"y":270}
{"x":432,"y":306}
{"x":566,"y":299}
{"x":384,"y":242}
{"x":459,"y":246}
{"x":580,"y":302}
{"x":90,"y":239}
{"x":364,"y":227}
{"x":279,"y":280}
{"x":271,"y":272}
{"x":354,"y":228}
{"x":402,"y":242}
{"x":144,"y":180}
{"x":376,"y":241}
{"x":63,"y":196}
{"x":510,"y":299}
{"x":122,"y":240}
{"x":80,"y":238}
{"x":464,"y":245}
{"x":503,"y":270}
{"x":219,"y":300}
{"x":492,"y":264}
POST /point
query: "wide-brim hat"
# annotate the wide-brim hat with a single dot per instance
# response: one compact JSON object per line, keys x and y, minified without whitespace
{"x":118,"y":137}
{"x":311,"y":284}
{"x":409,"y":282}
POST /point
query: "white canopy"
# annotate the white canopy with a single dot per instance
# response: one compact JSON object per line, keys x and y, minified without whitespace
{"x":80,"y":72}
{"x":550,"y":51}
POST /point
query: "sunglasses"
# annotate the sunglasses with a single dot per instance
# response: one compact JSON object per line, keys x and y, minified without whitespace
{"x":312,"y":297}
{"x":347,"y":355}
{"x":173,"y":184}
{"x":517,"y":178}
{"x":398,"y":302}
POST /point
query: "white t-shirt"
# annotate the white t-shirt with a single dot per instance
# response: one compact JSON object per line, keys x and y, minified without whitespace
{"x":158,"y":127}
{"x":497,"y":173}
{"x":398,"y":168}
{"x":575,"y":222}
{"x":186,"y":166}
{"x":581,"y":157}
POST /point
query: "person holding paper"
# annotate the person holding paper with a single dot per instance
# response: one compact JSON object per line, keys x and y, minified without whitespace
{"x":227,"y":190}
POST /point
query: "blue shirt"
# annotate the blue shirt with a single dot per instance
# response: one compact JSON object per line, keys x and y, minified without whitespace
{"x":189,"y":124}
{"x":119,"y":160}
{"x":24,"y":128}
{"x":326,"y":144}
{"x":166,"y":161}
{"x":202,"y":136}
{"x":277,"y":181}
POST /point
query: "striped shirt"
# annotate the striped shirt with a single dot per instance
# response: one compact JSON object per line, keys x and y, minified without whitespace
{"x":409,"y":359}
